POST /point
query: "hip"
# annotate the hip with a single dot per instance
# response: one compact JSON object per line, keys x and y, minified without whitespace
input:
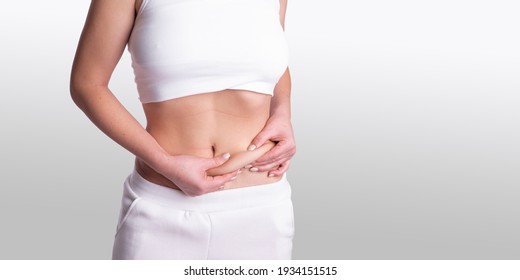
{"x":230,"y":199}
{"x":162,"y":223}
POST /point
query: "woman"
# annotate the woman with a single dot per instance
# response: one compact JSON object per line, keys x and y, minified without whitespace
{"x":213,"y":80}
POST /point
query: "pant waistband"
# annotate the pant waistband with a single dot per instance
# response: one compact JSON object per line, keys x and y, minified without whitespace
{"x":245,"y":197}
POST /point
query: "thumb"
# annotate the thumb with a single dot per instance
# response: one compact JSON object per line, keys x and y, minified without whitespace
{"x":220,"y":180}
{"x":217,"y":161}
{"x":259,"y":140}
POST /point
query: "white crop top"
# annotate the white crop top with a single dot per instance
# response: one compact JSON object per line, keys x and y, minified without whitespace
{"x":186,"y":47}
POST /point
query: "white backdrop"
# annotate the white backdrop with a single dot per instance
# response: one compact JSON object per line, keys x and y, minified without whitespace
{"x":406,"y":115}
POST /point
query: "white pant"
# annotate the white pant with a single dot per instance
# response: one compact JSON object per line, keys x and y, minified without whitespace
{"x":157,"y":222}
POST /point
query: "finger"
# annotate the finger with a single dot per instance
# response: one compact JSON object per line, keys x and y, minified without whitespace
{"x":280,"y":170}
{"x":215,"y":182}
{"x":216,"y":161}
{"x":281,"y":150}
{"x":269,"y":166}
{"x":272,"y":155}
{"x":259,"y":140}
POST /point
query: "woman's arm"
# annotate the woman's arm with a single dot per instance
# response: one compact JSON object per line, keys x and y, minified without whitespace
{"x":279,"y":130}
{"x":101,"y":45}
{"x":103,"y":40}
{"x":278,"y":127}
{"x":281,"y":101}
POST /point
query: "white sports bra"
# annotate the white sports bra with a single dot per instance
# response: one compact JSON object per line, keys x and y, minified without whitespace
{"x":185,"y":47}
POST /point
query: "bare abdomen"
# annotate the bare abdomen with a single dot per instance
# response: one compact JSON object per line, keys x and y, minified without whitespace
{"x":209,"y":125}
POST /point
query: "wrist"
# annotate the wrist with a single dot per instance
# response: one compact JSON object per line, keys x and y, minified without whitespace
{"x":159,"y":160}
{"x":281,"y":107}
{"x":281,"y":114}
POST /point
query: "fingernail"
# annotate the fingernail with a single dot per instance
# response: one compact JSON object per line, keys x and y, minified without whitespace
{"x":226,"y":155}
{"x":271,"y":175}
{"x":248,"y":166}
{"x":254,"y":169}
{"x":251,"y":147}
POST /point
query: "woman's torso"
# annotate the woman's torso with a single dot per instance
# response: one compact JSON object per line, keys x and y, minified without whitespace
{"x":207,"y":92}
{"x":209,"y":125}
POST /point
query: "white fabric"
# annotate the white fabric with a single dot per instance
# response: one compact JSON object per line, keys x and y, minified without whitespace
{"x":158,"y":222}
{"x":186,"y":47}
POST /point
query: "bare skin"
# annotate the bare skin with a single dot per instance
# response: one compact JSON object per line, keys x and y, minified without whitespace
{"x":186,"y":140}
{"x":209,"y":125}
{"x":236,"y":161}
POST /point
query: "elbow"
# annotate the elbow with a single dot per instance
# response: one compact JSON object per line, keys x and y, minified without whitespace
{"x":85,"y":85}
{"x":73,"y":89}
{"x":75,"y":92}
{"x":81,"y":89}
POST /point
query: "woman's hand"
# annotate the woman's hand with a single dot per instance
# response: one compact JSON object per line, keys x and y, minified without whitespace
{"x":238,"y":160}
{"x":279,"y":130}
{"x":189,"y":173}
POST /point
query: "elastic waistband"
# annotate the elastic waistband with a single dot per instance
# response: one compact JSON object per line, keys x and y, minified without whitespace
{"x":245,"y":197}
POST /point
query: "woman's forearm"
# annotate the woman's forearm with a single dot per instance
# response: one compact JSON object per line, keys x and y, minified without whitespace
{"x":281,"y":101}
{"x":111,"y":117}
{"x":277,"y":129}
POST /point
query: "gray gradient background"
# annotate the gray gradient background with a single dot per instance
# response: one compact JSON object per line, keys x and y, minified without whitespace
{"x":406,"y":115}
